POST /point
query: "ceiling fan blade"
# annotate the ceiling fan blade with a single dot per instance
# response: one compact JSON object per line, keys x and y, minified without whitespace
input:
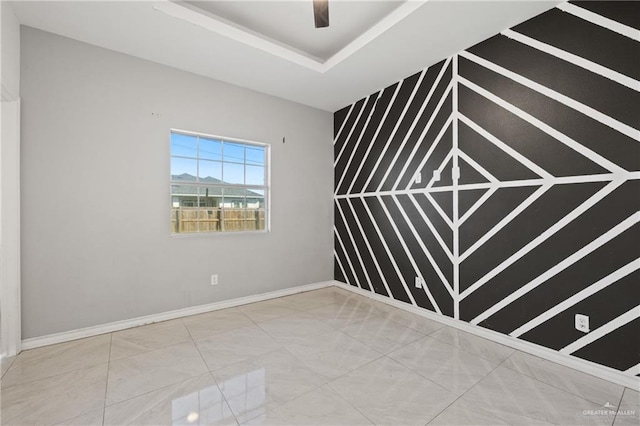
{"x":321,"y":13}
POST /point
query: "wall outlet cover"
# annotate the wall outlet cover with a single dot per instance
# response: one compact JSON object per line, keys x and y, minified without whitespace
{"x":418,"y":282}
{"x":582,"y":323}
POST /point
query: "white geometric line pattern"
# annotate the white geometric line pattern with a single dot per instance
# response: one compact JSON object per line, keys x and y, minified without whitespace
{"x":508,"y":221}
{"x":597,"y":243}
{"x":623,"y":319}
{"x":574,"y":59}
{"x":594,"y":18}
{"x":366,"y":241}
{"x":630,"y":267}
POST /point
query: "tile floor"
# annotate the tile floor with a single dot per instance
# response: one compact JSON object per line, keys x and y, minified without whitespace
{"x":326,"y":357}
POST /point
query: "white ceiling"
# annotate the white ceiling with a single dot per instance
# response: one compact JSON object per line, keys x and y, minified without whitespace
{"x":272,"y":47}
{"x":291,"y":22}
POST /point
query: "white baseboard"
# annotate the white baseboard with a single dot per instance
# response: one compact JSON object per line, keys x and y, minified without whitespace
{"x":81,"y":333}
{"x":584,"y":366}
{"x":579,"y":364}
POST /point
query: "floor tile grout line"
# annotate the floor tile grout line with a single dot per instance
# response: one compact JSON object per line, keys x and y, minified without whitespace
{"x":283,"y":346}
{"x":350,"y":372}
{"x":402,"y":345}
{"x":211,"y":374}
{"x":150,"y":351}
{"x":106,"y":384}
{"x":105,"y":389}
{"x":139,"y":327}
{"x":9,"y":367}
{"x":468,"y":351}
{"x":95,"y":364}
{"x":490,"y":360}
{"x":417,"y":372}
{"x":426,"y":319}
{"x":556,"y":387}
{"x":613,"y":422}
{"x":292,"y":399}
{"x":468,"y":390}
{"x":164,"y":386}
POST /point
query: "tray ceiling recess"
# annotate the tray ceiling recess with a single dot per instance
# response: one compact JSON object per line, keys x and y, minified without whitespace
{"x":285,"y":28}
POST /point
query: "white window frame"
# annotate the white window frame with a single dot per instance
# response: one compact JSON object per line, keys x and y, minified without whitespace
{"x":266,"y":188}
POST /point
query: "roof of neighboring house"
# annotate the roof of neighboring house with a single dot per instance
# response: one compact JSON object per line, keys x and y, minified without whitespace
{"x":179,"y":189}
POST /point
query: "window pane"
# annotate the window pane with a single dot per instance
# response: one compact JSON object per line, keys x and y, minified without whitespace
{"x":210,"y":197}
{"x":255,"y":199}
{"x":254,"y":175}
{"x":210,"y":171}
{"x":259,"y":220}
{"x":211,"y":149}
{"x":184,"y":169}
{"x":184,"y":201}
{"x":210,"y":180}
{"x":255,"y":213}
{"x":184,"y":145}
{"x":209,"y":211}
{"x":234,"y":152}
{"x":255,"y":155}
{"x":233,"y":173}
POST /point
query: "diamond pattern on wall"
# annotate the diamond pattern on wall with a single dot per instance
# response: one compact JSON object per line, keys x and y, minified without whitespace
{"x":506,"y":176}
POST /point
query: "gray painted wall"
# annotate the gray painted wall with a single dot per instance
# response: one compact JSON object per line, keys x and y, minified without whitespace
{"x":9,"y":52}
{"x":96,"y":246}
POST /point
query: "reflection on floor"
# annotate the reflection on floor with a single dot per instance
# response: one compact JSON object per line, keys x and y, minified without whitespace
{"x":326,"y":357}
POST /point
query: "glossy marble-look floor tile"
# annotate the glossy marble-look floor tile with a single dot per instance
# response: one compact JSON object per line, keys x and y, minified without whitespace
{"x":311,"y":299}
{"x":416,"y":322}
{"x":364,"y":303}
{"x":319,"y":407}
{"x":451,"y":367}
{"x":258,"y":385}
{"x":268,"y":310}
{"x":139,"y":374}
{"x":333,"y":354}
{"x":48,"y":361}
{"x":235,"y":346}
{"x":388,"y":393}
{"x":216,"y":322}
{"x":92,"y":418}
{"x":325,"y":357}
{"x":583,"y":385}
{"x":628,"y":412}
{"x":340,"y":315}
{"x":295,"y":328}
{"x":194,"y":401}
{"x":55,"y":399}
{"x":515,"y":398}
{"x":147,"y":338}
{"x":475,"y":345}
{"x":5,"y":363}
{"x":382,"y":334}
{"x":461,"y":415}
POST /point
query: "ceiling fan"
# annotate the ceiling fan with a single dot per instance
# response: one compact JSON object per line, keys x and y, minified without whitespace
{"x":321,"y":13}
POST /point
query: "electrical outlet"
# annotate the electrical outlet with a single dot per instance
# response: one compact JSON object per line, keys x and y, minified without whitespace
{"x":214,"y":279}
{"x":418,"y":282}
{"x":582,"y":323}
{"x":417,"y":178}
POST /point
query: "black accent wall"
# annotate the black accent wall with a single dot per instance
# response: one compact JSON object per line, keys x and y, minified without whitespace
{"x":508,"y":178}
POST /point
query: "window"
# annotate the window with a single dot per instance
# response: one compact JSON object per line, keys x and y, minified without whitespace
{"x":218,"y":184}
